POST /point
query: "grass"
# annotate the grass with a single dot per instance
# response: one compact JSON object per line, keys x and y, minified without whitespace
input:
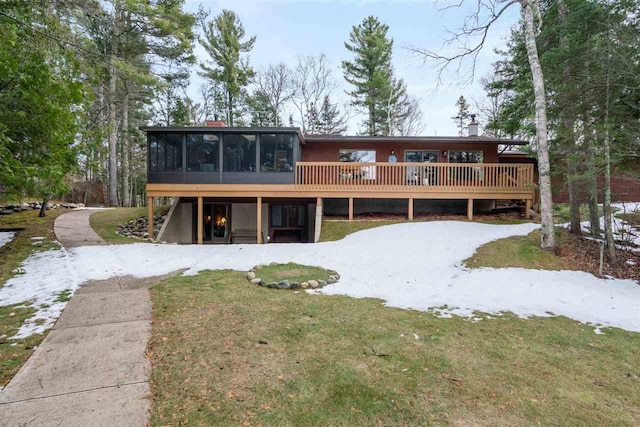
{"x":633,"y":218}
{"x":106,"y":222}
{"x":224,"y":353}
{"x":293,"y":273}
{"x":13,"y":353}
{"x":336,"y":230}
{"x":519,"y":251}
{"x":13,"y":253}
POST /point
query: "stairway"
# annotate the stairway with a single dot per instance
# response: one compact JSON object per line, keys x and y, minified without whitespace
{"x":243,"y":237}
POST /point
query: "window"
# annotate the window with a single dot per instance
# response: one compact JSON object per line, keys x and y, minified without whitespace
{"x":165,"y":152}
{"x":358,"y":156}
{"x":466,"y":157}
{"x":239,"y":151}
{"x":419,"y":156}
{"x":203,"y":152}
{"x":276,"y":152}
{"x":288,"y":216}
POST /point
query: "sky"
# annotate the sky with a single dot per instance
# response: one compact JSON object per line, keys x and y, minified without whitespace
{"x":286,"y":29}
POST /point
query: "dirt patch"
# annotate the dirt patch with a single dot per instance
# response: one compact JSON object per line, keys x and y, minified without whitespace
{"x":584,"y":254}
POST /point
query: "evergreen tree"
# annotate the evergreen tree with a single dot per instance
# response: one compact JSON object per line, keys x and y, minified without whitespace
{"x":261,"y":112}
{"x":224,"y":41}
{"x":376,"y":90}
{"x":462,"y":116}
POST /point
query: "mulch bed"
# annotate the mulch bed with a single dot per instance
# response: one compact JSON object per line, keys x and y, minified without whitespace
{"x":584,"y":254}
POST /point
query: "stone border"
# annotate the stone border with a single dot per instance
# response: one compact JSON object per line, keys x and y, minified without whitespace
{"x":252,"y":277}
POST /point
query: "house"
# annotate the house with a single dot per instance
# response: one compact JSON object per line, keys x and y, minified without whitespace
{"x":264,"y":185}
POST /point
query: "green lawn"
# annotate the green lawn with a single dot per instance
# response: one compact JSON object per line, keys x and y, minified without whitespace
{"x":338,"y":229}
{"x":292,"y":272}
{"x":519,"y":251}
{"x":106,"y":222}
{"x":227,"y":353}
{"x":13,"y":353}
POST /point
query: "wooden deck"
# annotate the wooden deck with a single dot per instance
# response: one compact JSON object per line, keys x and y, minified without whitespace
{"x":318,"y":180}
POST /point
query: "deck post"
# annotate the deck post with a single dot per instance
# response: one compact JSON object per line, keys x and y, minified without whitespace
{"x":350,"y":208}
{"x":411,"y":209}
{"x":200,"y":220}
{"x":259,"y":220}
{"x":527,"y":209}
{"x":470,"y":209}
{"x":150,"y":226}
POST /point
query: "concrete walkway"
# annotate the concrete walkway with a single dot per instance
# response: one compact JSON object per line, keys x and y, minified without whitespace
{"x":73,"y":229}
{"x":91,"y":369}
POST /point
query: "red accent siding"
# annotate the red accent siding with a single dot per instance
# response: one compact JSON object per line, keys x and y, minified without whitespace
{"x":329,"y":151}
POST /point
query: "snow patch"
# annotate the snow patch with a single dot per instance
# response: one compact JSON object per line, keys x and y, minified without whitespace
{"x":408,"y":265}
{"x":6,"y":237}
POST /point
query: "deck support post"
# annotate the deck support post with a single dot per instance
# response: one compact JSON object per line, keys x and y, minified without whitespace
{"x":150,"y":226}
{"x":527,"y":209}
{"x":350,"y":208}
{"x":470,"y":209}
{"x":200,"y":219}
{"x":411,"y":209}
{"x":259,"y":220}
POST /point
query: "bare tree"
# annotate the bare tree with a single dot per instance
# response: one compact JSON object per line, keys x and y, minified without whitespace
{"x":412,"y":123}
{"x":276,"y":84}
{"x":312,"y":82}
{"x":472,"y":37}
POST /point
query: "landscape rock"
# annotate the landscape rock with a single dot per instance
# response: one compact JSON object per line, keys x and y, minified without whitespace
{"x":256,"y":281}
{"x":272,"y":285}
{"x":322,"y":283}
{"x":313,"y":284}
{"x":295,"y":285}
{"x":251,"y":275}
{"x":6,"y":212}
{"x":285,"y":284}
{"x":330,"y":281}
{"x":304,"y":285}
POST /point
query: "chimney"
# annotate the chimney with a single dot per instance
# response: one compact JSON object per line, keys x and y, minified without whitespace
{"x":215,"y":122}
{"x":473,"y":126}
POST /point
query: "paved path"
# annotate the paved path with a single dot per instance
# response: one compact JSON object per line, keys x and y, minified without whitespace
{"x":91,"y":369}
{"x":73,"y":229}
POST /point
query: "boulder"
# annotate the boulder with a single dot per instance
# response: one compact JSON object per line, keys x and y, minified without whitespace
{"x":6,"y":211}
{"x":304,"y":285}
{"x":285,"y":284}
{"x":272,"y":285}
{"x":322,"y":283}
{"x":330,"y":281}
{"x":256,"y":281}
{"x":313,"y":284}
{"x":251,"y":275}
{"x":295,"y":285}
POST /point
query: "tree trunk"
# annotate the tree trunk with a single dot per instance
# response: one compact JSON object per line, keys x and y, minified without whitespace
{"x":574,"y":200}
{"x":548,"y":240}
{"x":43,"y":208}
{"x":591,"y":181}
{"x":126,"y":190}
{"x":608,"y":220}
{"x":230,"y":107}
{"x":113,"y":126}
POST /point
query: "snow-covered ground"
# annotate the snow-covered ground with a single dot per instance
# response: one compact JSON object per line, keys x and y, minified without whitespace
{"x":6,"y":237}
{"x":409,"y":265}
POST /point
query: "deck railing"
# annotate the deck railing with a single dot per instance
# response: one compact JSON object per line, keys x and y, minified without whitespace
{"x":412,"y":177}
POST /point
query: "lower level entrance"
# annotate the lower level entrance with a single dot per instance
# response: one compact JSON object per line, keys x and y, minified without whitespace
{"x":288,"y":223}
{"x":216,"y":223}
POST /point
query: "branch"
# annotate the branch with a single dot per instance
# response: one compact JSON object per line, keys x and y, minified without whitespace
{"x":471,"y":28}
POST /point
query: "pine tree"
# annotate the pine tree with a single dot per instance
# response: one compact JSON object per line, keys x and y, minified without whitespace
{"x":462,"y":116}
{"x":224,"y":41}
{"x":376,"y":90}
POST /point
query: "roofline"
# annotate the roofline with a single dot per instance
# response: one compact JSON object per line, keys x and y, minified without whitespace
{"x":452,"y":139}
{"x":223,"y":129}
